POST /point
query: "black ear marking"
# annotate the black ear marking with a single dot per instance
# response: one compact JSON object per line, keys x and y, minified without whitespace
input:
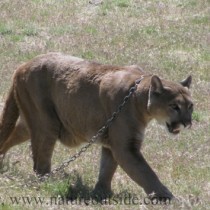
{"x":156,"y":84}
{"x":187,"y":82}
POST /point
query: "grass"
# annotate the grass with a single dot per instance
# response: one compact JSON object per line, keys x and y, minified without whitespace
{"x":168,"y":38}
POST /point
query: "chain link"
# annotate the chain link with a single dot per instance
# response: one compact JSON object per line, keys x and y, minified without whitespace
{"x":100,"y":132}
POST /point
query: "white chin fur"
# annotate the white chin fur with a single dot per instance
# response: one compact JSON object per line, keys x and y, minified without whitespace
{"x":176,"y":130}
{"x":181,"y":127}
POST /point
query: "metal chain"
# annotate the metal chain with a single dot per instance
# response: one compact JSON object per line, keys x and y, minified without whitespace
{"x":100,"y":132}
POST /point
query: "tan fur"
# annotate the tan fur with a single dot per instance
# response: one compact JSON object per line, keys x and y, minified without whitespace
{"x":62,"y":97}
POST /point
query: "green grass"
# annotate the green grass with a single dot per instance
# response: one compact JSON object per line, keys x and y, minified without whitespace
{"x":167,"y":38}
{"x":5,"y":30}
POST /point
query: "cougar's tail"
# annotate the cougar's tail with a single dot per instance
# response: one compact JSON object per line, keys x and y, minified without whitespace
{"x":8,"y":117}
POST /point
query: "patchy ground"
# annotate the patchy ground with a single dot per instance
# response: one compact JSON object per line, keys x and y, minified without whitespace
{"x":168,"y":38}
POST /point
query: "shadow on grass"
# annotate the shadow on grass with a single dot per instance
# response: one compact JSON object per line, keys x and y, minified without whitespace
{"x":75,"y":191}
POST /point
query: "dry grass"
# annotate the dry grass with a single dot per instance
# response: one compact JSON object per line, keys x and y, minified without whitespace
{"x":169,"y":38}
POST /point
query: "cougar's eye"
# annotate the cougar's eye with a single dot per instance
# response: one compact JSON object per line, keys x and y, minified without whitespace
{"x":175,"y":107}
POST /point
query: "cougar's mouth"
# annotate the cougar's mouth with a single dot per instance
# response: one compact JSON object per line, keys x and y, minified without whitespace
{"x":173,"y":129}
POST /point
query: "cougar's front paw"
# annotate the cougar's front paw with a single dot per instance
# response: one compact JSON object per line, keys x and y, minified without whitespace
{"x":101,"y":192}
{"x":162,"y":194}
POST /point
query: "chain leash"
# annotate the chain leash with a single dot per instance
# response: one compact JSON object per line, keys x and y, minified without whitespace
{"x":100,"y":132}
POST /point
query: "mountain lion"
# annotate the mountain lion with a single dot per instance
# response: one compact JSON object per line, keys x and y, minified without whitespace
{"x":56,"y":96}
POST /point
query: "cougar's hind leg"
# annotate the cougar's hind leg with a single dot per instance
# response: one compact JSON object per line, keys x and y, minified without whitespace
{"x":44,"y":129}
{"x":8,"y":120}
{"x":19,"y":135}
{"x":42,"y":150}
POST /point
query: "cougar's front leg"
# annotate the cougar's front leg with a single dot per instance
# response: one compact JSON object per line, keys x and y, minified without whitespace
{"x":107,"y":168}
{"x":128,"y":155}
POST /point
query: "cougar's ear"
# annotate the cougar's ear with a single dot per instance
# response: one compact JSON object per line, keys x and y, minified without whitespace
{"x":156,"y":85}
{"x":187,"y":82}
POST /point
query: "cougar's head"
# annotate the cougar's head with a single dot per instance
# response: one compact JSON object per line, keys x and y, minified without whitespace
{"x":170,"y":103}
